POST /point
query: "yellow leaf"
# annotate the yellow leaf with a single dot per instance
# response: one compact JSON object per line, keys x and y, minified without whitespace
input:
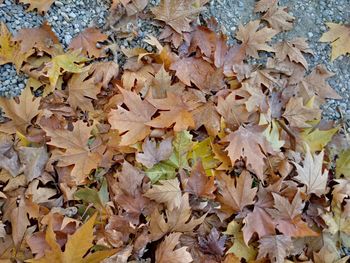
{"x":76,"y":247}
{"x":339,"y":35}
{"x":317,"y":139}
{"x":272,"y":134}
{"x":343,"y":164}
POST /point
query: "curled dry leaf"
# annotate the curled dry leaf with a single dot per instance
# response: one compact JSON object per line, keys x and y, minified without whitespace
{"x":42,"y":6}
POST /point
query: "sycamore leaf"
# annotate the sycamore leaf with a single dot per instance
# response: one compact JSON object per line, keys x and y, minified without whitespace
{"x":42,"y":38}
{"x":278,"y":18}
{"x":104,"y":72}
{"x":200,"y":73}
{"x":21,"y":114}
{"x":41,"y":5}
{"x":339,"y":35}
{"x":167,"y":192}
{"x":214,"y":244}
{"x":297,"y":114}
{"x":249,"y":144}
{"x":76,"y":147}
{"x":235,"y":194}
{"x":86,"y":42}
{"x":174,"y":110}
{"x":162,"y":170}
{"x":177,"y":13}
{"x":343,"y":164}
{"x":318,"y":139}
{"x":161,"y":84}
{"x":19,"y":222}
{"x":153,"y":154}
{"x":311,"y":175}
{"x":34,"y":160}
{"x":82,"y":90}
{"x":165,"y":252}
{"x":182,"y":145}
{"x":76,"y":247}
{"x":178,"y":220}
{"x":199,"y":183}
{"x":264,"y":5}
{"x":207,"y":116}
{"x":276,"y":247}
{"x":68,"y":62}
{"x":272,"y":134}
{"x":10,"y":51}
{"x":254,"y":39}
{"x":132,"y":123}
{"x":292,"y":49}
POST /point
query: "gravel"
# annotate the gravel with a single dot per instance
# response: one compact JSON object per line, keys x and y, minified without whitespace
{"x":311,"y":17}
{"x":69,"y":17}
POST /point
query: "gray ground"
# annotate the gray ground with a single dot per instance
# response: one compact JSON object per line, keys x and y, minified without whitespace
{"x":69,"y":17}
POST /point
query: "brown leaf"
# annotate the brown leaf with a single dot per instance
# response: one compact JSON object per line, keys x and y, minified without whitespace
{"x":21,"y":114}
{"x":19,"y":222}
{"x":161,"y":84}
{"x":42,"y":38}
{"x":297,"y":114}
{"x":165,"y":252}
{"x":249,"y":144}
{"x":82,"y":90}
{"x":177,"y":13}
{"x":175,"y":109}
{"x":292,"y":49}
{"x":199,"y":183}
{"x":104,"y":72}
{"x":200,"y":73}
{"x":9,"y":159}
{"x":235,"y":194}
{"x":278,"y":18}
{"x":213,"y":244}
{"x":167,"y":192}
{"x":132,"y":123}
{"x":41,"y":5}
{"x":207,"y":116}
{"x":254,"y":39}
{"x":276,"y":247}
{"x":87,"y":40}
{"x":34,"y":160}
{"x":153,"y":154}
{"x":77,"y":151}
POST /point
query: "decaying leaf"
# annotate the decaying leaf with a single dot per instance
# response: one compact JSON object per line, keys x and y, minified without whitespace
{"x":42,"y":6}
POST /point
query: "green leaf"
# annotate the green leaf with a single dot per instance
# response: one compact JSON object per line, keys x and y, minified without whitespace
{"x":343,"y":164}
{"x":317,"y":139}
{"x":161,"y":171}
{"x":89,"y":195}
{"x":182,"y":145}
{"x":103,"y":193}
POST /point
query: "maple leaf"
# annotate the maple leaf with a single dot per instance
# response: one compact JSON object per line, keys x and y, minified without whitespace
{"x":276,"y":247}
{"x":175,"y":109}
{"x":317,"y":139}
{"x":204,"y":152}
{"x":165,"y":252}
{"x":19,"y":222}
{"x":316,"y":85}
{"x":278,"y":18}
{"x":178,"y":220}
{"x":339,"y":35}
{"x":292,"y":49}
{"x":77,"y":151}
{"x":253,"y":39}
{"x":207,"y":116}
{"x":86,"y":42}
{"x":249,"y":144}
{"x":264,"y":5}
{"x":182,"y":145}
{"x":199,"y":183}
{"x":68,"y":62}
{"x":161,"y":84}
{"x":200,"y":73}
{"x":41,"y":5}
{"x":133,"y":124}
{"x":343,"y":164}
{"x":177,"y":13}
{"x":167,"y":192}
{"x":10,"y":51}
{"x":104,"y":72}
{"x":81,"y":90}
{"x":76,"y":247}
{"x":153,"y":154}
{"x":34,"y":160}
{"x":311,"y":175}
{"x":297,"y":114}
{"x":213,"y":244}
{"x":42,"y":38}
{"x":21,"y":114}
{"x":235,"y":194}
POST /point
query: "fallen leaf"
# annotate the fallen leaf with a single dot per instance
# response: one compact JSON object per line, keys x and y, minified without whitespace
{"x":278,"y":18}
{"x":133,"y":124}
{"x":34,"y":160}
{"x":343,"y":164}
{"x":276,"y":248}
{"x":42,"y":6}
{"x":253,"y":39}
{"x":104,"y":72}
{"x":339,"y":35}
{"x":87,"y":40}
{"x":207,"y":116}
{"x":21,"y":114}
{"x":165,"y":252}
{"x":213,"y":244}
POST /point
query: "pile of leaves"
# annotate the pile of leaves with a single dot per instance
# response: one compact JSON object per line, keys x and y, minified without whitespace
{"x":184,"y":154}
